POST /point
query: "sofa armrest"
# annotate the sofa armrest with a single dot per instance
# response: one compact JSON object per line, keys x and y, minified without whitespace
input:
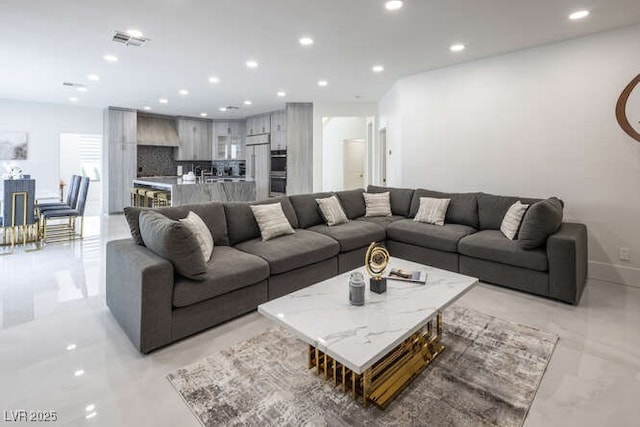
{"x":567,"y":251}
{"x":139,"y":290}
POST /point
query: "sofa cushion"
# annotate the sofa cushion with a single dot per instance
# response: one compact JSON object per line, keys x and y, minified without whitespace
{"x":173,"y":241}
{"x":492,"y":245}
{"x":211,"y":213}
{"x":292,"y":251}
{"x":541,"y":220}
{"x":400,"y":198}
{"x":463,"y":208}
{"x":432,"y":211}
{"x":352,"y":202}
{"x":306,"y":208}
{"x":352,"y":235}
{"x":229,"y":269}
{"x":377,"y":204}
{"x":242,"y":223}
{"x":441,"y":237}
{"x":271,"y":220}
{"x":332,"y":211}
{"x":201,"y":232}
{"x":382,"y":221}
{"x":492,"y":208}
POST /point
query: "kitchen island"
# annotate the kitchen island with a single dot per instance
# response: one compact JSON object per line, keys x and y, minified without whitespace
{"x":222,"y":189}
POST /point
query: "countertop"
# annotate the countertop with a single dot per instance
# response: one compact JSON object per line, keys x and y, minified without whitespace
{"x":224,"y":189}
{"x":169,"y":181}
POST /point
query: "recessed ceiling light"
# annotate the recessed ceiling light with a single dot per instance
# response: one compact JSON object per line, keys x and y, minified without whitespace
{"x":135,"y":33}
{"x":248,"y":102}
{"x":90,"y":407}
{"x":306,"y":41}
{"x":203,"y":114}
{"x":183,"y":92}
{"x":457,"y":47}
{"x":282,"y":94}
{"x":79,"y":372}
{"x":163,"y":101}
{"x":71,"y":347}
{"x":323,"y":83}
{"x":377,"y":68}
{"x":82,"y":89}
{"x":110,"y":58}
{"x":93,"y":77}
{"x":214,"y":79}
{"x":580,"y":14}
{"x":252,"y":64}
{"x":91,"y":415}
{"x":393,"y":5}
{"x":223,"y":109}
{"x":73,"y":99}
{"x":146,"y":108}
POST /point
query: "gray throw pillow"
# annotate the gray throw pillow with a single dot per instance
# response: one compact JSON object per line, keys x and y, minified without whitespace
{"x":541,"y":220}
{"x":173,"y":241}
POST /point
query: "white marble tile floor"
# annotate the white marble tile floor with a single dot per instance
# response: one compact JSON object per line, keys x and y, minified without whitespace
{"x":60,"y":349}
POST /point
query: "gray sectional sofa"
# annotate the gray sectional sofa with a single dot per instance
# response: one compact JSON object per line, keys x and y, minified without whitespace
{"x":155,"y":306}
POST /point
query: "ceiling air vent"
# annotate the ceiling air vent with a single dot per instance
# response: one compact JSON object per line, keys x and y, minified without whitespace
{"x":75,"y":85}
{"x":128,"y":40}
{"x":232,"y":107}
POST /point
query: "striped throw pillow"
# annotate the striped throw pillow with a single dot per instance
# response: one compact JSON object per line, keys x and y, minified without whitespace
{"x":512,"y":219}
{"x":432,"y":211}
{"x":272,"y":221}
{"x":332,"y":211}
{"x":377,"y":204}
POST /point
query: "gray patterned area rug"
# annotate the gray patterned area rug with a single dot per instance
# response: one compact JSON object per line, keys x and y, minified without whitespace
{"x":488,"y":375}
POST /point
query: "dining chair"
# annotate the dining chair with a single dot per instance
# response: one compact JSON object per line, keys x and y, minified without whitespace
{"x":64,"y":231}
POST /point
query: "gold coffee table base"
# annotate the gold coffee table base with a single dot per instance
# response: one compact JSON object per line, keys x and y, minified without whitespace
{"x":382,"y":382}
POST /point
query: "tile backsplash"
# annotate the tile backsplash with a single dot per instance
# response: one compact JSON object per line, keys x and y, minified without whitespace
{"x":159,"y":161}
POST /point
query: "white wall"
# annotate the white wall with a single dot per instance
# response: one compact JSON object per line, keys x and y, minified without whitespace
{"x":537,"y":122}
{"x":335,"y":131}
{"x":320,"y":110}
{"x":44,"y":123}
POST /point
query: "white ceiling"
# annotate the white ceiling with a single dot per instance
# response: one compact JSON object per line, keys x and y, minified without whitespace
{"x":45,"y":42}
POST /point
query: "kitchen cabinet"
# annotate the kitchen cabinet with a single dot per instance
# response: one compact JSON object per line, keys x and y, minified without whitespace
{"x":257,"y":125}
{"x":258,"y":168}
{"x":195,"y":139}
{"x":228,"y":143}
{"x":120,"y":154}
{"x":278,"y":130}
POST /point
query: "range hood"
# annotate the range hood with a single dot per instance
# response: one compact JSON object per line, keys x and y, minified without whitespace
{"x":157,"y":131}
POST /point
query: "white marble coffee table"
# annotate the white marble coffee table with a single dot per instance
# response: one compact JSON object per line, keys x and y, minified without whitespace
{"x":374,"y":350}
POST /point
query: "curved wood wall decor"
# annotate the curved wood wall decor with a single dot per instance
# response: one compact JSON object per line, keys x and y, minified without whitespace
{"x":621,"y":109}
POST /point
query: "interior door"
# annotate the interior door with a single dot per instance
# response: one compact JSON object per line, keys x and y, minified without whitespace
{"x":353,"y":164}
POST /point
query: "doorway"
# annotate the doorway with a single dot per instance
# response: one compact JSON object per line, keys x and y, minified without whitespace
{"x":81,"y":154}
{"x":354,"y":154}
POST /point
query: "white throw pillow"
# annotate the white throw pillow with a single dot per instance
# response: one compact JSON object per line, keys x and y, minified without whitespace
{"x":512,"y":219}
{"x":377,"y":204}
{"x":432,"y":211}
{"x":203,"y":235}
{"x":272,"y":221}
{"x":332,"y":211}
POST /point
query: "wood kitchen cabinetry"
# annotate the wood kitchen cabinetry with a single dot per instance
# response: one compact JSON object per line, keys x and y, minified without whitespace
{"x":257,"y":125}
{"x":195,"y":139}
{"x":258,"y":168}
{"x":279,"y":130}
{"x":120,"y":154}
{"x":228,"y":140}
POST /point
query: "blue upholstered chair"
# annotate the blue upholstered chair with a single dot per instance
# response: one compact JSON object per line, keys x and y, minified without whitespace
{"x":72,"y":197}
{"x":17,"y":217}
{"x":62,"y":231}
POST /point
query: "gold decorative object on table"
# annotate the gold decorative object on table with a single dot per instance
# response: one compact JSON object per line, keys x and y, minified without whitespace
{"x":376,"y":261}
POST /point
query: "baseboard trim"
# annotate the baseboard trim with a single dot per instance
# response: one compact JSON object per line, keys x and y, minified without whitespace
{"x":629,"y":276}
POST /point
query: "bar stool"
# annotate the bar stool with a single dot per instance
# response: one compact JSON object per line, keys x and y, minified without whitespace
{"x":151,"y":198}
{"x":134,"y":196}
{"x":163,"y":199}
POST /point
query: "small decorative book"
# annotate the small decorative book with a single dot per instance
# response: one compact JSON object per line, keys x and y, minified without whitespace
{"x":415,"y":276}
